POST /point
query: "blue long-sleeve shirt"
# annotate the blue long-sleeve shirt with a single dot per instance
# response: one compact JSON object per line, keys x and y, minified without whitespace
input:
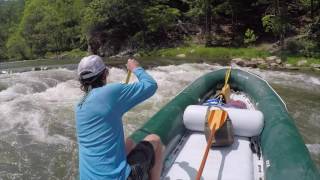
{"x":99,"y":127}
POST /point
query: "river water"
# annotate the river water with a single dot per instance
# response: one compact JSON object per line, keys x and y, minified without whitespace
{"x":37,"y":127}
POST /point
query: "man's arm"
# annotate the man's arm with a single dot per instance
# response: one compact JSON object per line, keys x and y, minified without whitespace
{"x":133,"y":94}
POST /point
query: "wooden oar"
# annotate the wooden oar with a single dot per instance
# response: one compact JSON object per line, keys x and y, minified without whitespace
{"x":216,"y":119}
{"x":128,"y":77}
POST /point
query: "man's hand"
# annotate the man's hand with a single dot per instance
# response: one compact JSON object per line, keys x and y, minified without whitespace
{"x":132,"y":64}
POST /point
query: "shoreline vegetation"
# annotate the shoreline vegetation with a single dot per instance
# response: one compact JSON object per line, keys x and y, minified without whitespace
{"x":254,"y":57}
{"x":37,"y":29}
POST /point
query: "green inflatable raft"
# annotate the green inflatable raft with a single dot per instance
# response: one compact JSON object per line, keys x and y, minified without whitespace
{"x":284,"y":153}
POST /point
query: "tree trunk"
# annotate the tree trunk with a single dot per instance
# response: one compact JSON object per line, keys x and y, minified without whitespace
{"x":311,"y":8}
{"x":276,"y":7}
{"x":280,"y":11}
{"x":283,"y":11}
{"x":233,"y":19}
{"x":208,"y":38}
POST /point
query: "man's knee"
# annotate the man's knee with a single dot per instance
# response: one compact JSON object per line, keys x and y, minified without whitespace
{"x":129,"y":145}
{"x":155,"y":140}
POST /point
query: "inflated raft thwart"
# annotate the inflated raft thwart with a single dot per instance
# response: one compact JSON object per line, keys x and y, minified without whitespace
{"x":245,"y":122}
{"x":285,"y":155}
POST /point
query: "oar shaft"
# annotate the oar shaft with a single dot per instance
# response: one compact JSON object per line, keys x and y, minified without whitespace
{"x":128,"y":76}
{"x":216,"y":119}
{"x":205,"y":156}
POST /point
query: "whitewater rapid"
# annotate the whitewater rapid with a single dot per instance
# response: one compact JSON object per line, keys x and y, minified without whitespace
{"x":37,"y":126}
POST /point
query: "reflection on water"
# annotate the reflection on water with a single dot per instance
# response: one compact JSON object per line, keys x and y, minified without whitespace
{"x":37,"y":130}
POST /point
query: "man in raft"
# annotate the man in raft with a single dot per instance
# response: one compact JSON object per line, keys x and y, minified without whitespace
{"x":103,"y":151}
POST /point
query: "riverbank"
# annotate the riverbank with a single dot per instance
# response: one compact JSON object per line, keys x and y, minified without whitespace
{"x":256,"y":57}
{"x":246,"y":57}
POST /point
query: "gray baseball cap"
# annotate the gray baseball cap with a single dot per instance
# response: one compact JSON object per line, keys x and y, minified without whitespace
{"x":90,"y":66}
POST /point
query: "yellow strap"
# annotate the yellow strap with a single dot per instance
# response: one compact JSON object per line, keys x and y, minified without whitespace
{"x":226,"y":91}
{"x":226,"y":78}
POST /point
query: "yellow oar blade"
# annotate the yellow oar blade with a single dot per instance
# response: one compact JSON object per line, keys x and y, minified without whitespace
{"x":216,"y":119}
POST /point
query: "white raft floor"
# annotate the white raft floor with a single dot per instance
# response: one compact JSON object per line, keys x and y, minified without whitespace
{"x":235,"y":162}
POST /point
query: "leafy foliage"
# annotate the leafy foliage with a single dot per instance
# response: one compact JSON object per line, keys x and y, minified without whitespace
{"x":314,"y":32}
{"x":196,"y":10}
{"x":36,"y":28}
{"x":18,"y":48}
{"x":10,"y":13}
{"x":160,"y":17}
{"x":121,"y":24}
{"x":272,"y":24}
{"x":250,"y":37}
{"x":46,"y":26}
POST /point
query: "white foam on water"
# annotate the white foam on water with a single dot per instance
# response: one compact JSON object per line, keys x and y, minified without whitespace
{"x":12,"y":92}
{"x":289,"y":79}
{"x":315,"y":80}
{"x":20,"y":84}
{"x":33,"y":103}
{"x":37,"y":110}
{"x":314,"y":148}
{"x":42,"y":103}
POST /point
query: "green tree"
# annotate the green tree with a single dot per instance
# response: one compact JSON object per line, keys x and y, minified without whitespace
{"x":277,"y":22}
{"x":110,"y":23}
{"x":50,"y":26}
{"x":120,"y":24}
{"x":17,"y":47}
{"x":314,"y":38}
{"x":10,"y":12}
{"x":38,"y":19}
{"x":272,"y":24}
{"x":250,"y":37}
{"x":160,"y":17}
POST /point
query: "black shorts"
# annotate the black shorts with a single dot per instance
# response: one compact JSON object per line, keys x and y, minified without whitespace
{"x":141,"y":160}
